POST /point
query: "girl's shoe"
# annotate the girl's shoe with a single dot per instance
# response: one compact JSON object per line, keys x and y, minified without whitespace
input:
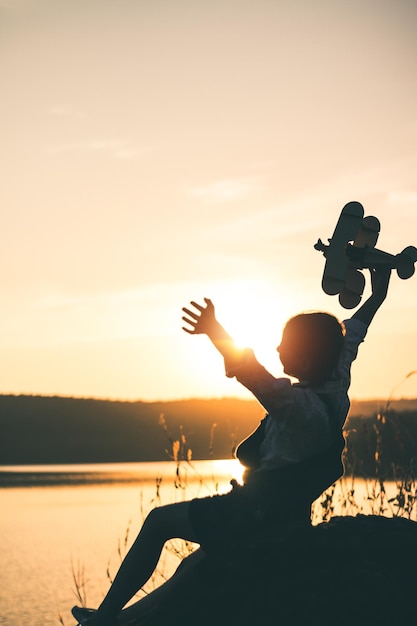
{"x":89,"y":617}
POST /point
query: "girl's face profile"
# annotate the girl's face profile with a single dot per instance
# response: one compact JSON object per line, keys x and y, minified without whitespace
{"x":292,"y":356}
{"x":286,"y":353}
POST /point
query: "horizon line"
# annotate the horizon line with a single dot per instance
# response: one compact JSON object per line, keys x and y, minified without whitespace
{"x":181,"y":399}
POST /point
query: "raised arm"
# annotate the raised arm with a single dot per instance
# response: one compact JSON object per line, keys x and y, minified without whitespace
{"x":380,"y":278}
{"x":203,"y":321}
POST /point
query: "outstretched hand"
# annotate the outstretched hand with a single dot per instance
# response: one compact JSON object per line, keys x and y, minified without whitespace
{"x":200,"y":321}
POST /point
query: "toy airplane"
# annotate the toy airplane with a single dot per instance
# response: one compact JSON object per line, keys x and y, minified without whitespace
{"x":351,"y":249}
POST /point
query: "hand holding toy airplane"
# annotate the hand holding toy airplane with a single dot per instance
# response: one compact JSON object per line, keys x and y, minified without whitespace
{"x":351,"y":249}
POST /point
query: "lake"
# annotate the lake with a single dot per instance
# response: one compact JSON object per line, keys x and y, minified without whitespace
{"x":61,"y":521}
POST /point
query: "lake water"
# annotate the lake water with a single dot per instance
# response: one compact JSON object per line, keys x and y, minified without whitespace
{"x":61,"y":521}
{"x":57,"y":520}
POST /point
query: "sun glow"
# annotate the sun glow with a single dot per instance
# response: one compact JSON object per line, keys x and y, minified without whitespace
{"x":254,"y":316}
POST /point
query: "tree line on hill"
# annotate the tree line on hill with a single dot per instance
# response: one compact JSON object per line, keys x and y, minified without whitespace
{"x":35,"y":430}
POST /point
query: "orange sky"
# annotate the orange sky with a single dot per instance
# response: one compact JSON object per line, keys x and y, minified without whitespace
{"x":155,"y":152}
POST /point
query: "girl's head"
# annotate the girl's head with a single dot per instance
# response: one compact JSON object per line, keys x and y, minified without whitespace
{"x":310,"y":346}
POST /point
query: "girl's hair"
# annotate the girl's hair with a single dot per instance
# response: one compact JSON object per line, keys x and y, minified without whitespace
{"x":317,"y":337}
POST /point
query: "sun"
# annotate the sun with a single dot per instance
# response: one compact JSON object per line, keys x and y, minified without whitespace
{"x":254,"y":314}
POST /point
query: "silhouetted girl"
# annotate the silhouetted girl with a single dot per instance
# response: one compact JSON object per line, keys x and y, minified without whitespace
{"x":291,"y":458}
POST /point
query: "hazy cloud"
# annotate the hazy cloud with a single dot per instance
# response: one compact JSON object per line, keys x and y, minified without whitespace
{"x":65,"y":111}
{"x":225,"y":189}
{"x":402,"y":197}
{"x":114,"y":148}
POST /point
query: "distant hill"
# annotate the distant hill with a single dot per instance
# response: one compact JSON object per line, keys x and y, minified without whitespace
{"x":53,"y":430}
{"x":46,"y":430}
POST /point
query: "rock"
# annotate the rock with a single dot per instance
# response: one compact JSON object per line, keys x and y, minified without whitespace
{"x":350,"y":571}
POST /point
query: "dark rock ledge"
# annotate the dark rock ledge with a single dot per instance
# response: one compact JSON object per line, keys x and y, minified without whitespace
{"x":350,"y":571}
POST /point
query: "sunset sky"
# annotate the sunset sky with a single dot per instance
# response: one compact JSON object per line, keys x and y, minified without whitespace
{"x":158,"y":151}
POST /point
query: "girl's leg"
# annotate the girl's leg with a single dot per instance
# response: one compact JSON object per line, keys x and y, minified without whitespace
{"x":178,"y":586}
{"x":163,"y":523}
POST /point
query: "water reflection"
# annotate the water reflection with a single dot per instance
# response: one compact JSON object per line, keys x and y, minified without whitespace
{"x":114,"y":473}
